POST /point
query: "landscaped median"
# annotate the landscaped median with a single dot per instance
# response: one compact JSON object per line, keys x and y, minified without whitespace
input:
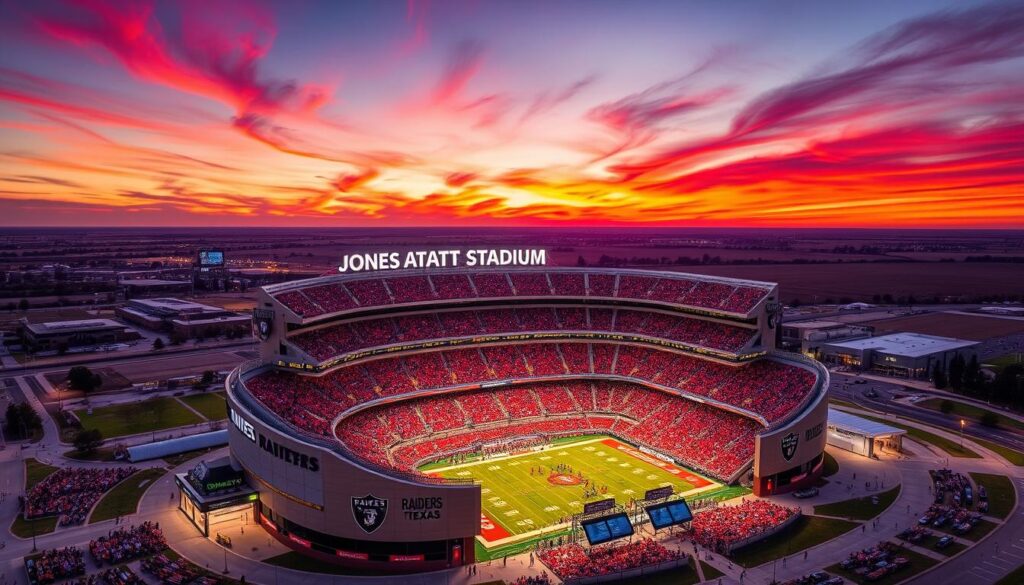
{"x":1000,"y":492}
{"x":35,"y":472}
{"x":864,"y":508}
{"x":124,"y":498}
{"x":805,"y":532}
{"x":154,"y":414}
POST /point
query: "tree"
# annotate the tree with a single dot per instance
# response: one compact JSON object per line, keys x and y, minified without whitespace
{"x":946,"y":406}
{"x":22,"y":420}
{"x":939,"y":377}
{"x":581,"y":261}
{"x":177,"y":338}
{"x":956,"y":372}
{"x":974,"y":380}
{"x":23,"y":305}
{"x":83,"y":379}
{"x":87,"y":441}
{"x":990,"y":419}
{"x":158,"y":344}
{"x":207,"y":377}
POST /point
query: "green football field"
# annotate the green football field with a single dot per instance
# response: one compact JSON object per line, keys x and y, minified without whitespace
{"x":516,"y":502}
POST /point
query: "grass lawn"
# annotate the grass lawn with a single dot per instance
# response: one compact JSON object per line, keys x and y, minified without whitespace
{"x":123,"y":498}
{"x":975,"y":534}
{"x":36,"y":472}
{"x":520,"y":501}
{"x":969,"y":411}
{"x":677,"y":576}
{"x":710,"y":572}
{"x":860,"y":508}
{"x":101,"y":454}
{"x":918,"y":563}
{"x":1012,"y":455}
{"x":155,"y":414}
{"x":929,"y":543}
{"x":1004,"y":360}
{"x":999,"y":489}
{"x":24,"y":528}
{"x":806,"y":532}
{"x":948,"y":445}
{"x":211,"y":404}
{"x":176,"y":460}
{"x":1016,"y":577}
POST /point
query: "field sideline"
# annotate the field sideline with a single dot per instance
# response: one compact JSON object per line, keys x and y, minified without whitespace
{"x":517,"y":504}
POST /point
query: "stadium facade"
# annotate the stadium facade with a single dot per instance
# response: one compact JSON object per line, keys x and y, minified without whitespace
{"x":364,"y":377}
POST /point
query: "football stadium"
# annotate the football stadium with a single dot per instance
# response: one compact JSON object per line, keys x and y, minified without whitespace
{"x":404,"y":421}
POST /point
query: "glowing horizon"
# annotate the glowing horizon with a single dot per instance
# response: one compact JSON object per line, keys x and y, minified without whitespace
{"x":798,"y":114}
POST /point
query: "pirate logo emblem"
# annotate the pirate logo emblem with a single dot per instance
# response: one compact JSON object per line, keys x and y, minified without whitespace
{"x":789,"y":443}
{"x":774,"y":311}
{"x":369,"y":512}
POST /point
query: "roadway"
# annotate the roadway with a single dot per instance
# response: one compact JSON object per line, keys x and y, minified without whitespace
{"x":844,"y":388}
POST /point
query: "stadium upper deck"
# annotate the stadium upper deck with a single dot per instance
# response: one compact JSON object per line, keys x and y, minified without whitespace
{"x":333,"y":295}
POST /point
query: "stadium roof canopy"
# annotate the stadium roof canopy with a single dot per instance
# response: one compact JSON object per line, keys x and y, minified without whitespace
{"x":175,"y":446}
{"x":861,"y":426}
{"x":906,"y":344}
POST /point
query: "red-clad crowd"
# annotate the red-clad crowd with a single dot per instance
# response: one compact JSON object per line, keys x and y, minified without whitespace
{"x":70,"y":493}
{"x":376,"y":291}
{"x":572,"y":561}
{"x":342,"y":338}
{"x":722,"y":527}
{"x":404,"y":434}
{"x":767,"y":388}
{"x":124,"y":544}
{"x":55,"y":564}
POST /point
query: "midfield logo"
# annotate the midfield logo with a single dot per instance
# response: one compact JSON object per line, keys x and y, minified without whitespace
{"x":369,"y":512}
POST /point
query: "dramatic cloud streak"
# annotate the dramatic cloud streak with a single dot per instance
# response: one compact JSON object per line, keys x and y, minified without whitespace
{"x":234,"y":112}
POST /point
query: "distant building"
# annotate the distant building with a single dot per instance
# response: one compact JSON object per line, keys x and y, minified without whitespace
{"x":145,"y":287}
{"x":906,"y":355}
{"x":57,"y":334}
{"x":186,"y":318}
{"x":861,"y":435}
{"x":807,"y":336}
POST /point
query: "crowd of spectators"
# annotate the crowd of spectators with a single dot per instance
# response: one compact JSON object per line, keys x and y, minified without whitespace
{"x":406,"y":433}
{"x":70,"y":493}
{"x":125,"y":544}
{"x":112,"y":576}
{"x":533,"y":580}
{"x":572,"y":561}
{"x":330,"y":298}
{"x":341,"y":338}
{"x":177,"y":571}
{"x":55,"y":564}
{"x":722,"y":527}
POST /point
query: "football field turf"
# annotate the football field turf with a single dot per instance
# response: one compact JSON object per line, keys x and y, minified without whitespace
{"x":516,"y":502}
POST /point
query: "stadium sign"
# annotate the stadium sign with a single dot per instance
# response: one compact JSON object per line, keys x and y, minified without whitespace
{"x":262,"y":323}
{"x":422,"y":508}
{"x":599,"y":506}
{"x":659,"y":493}
{"x":420,"y":259}
{"x":369,"y":512}
{"x":307,"y":462}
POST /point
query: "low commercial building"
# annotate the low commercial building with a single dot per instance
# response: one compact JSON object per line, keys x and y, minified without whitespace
{"x":861,"y":435}
{"x":185,"y":318}
{"x":145,"y":287}
{"x":807,"y":337}
{"x":56,"y":335}
{"x":905,"y":355}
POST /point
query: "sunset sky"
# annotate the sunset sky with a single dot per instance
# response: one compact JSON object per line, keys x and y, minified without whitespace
{"x":378,"y":113}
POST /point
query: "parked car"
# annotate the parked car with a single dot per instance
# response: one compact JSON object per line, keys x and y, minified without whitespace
{"x":870,"y":393}
{"x":809,"y":492}
{"x":944,"y":542}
